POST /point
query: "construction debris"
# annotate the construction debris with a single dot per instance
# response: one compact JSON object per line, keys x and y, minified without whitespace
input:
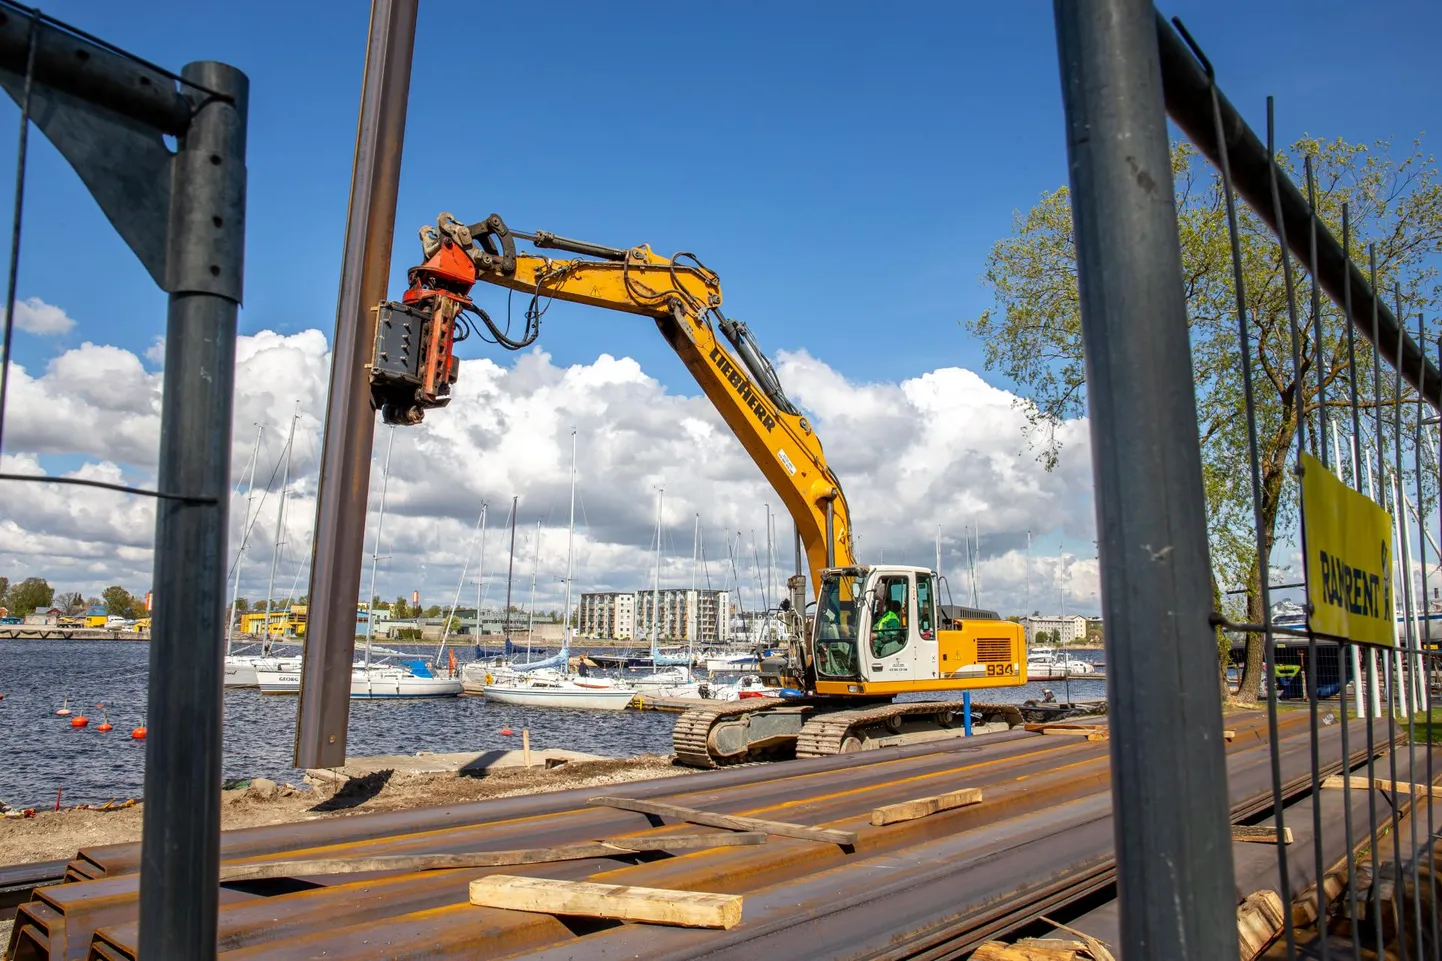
{"x":1263,"y":834}
{"x":1259,"y":923}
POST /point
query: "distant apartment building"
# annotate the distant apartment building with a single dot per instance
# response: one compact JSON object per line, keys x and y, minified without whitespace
{"x":1059,"y":628}
{"x":611,"y":615}
{"x":679,"y":615}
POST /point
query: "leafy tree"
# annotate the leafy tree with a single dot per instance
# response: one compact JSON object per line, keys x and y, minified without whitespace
{"x":117,"y":601}
{"x":4,"y":590}
{"x":400,"y":610}
{"x":1033,"y":333}
{"x":433,"y":611}
{"x":137,"y":609}
{"x":30,"y":594}
{"x":453,"y":624}
{"x":242,"y":605}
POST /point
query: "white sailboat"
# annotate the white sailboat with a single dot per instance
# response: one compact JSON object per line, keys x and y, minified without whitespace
{"x":243,"y":670}
{"x":380,"y":679}
{"x":547,"y":683}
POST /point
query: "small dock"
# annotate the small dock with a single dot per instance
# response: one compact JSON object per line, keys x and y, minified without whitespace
{"x":672,"y":705}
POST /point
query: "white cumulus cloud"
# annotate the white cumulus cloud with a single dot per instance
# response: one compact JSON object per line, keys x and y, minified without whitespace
{"x":35,"y":316}
{"x":942,"y":449}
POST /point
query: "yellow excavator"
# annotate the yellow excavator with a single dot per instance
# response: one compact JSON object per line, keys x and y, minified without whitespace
{"x":877,"y":631}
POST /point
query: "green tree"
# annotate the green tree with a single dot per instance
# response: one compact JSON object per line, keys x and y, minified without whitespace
{"x":4,"y":591}
{"x":117,"y":601}
{"x":1033,"y":332}
{"x":137,"y":609}
{"x":433,"y":611}
{"x":242,"y":605}
{"x":30,"y":594}
{"x":400,"y":610}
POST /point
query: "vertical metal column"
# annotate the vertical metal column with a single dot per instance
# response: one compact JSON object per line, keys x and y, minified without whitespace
{"x":180,"y":846}
{"x":1174,"y":864}
{"x":324,"y":707}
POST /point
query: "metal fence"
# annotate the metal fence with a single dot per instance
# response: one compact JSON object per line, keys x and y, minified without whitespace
{"x":1351,"y":403}
{"x":182,"y":211}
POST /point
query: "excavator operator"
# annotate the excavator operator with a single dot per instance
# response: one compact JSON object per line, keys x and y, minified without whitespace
{"x":887,"y":632}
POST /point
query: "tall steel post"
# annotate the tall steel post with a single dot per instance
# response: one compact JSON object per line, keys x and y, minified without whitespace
{"x":324,"y":707}
{"x":1169,"y":779}
{"x":204,"y":265}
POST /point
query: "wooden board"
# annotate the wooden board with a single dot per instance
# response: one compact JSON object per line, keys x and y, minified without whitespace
{"x":1381,"y":784}
{"x":1228,"y":735}
{"x":1259,"y":921}
{"x":921,"y":807}
{"x":689,"y":909}
{"x":729,"y":821}
{"x":1266,"y":834}
{"x":609,"y":847}
{"x":1092,"y":732}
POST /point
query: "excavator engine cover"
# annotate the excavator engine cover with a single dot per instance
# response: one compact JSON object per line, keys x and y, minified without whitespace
{"x":397,"y":381}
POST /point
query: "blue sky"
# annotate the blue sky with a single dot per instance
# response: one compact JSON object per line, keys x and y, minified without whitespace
{"x":844,"y":167}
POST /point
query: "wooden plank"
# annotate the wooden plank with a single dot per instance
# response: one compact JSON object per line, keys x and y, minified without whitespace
{"x":729,"y":821}
{"x":1035,"y":949}
{"x":608,"y":847}
{"x":1265,"y":834}
{"x":921,"y":807}
{"x":1259,"y":922}
{"x":1229,"y":735}
{"x":1381,"y":784}
{"x":688,"y":909}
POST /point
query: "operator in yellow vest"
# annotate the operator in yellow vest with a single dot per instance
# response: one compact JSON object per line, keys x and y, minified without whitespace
{"x":887,"y":635}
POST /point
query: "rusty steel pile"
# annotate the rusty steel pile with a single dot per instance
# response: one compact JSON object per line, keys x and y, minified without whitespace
{"x":933,"y":887}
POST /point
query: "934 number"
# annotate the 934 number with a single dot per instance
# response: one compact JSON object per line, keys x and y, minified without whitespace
{"x":1000,"y":670}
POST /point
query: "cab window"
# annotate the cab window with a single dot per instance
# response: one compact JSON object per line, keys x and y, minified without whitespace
{"x":889,"y":615}
{"x":925,"y":610}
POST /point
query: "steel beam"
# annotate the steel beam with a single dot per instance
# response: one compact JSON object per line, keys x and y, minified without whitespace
{"x":1187,"y":88}
{"x":180,"y":847}
{"x":324,"y":707}
{"x":1174,"y":865}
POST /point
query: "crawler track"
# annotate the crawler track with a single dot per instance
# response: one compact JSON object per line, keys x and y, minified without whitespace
{"x":841,"y":732}
{"x":691,"y":737}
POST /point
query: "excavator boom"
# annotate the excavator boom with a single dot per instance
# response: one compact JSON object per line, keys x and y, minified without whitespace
{"x":683,"y":297}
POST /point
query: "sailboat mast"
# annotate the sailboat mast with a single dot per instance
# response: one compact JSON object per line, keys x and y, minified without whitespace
{"x":691,"y":621}
{"x":480,"y":576}
{"x":279,"y":527}
{"x":376,"y":552}
{"x":531,"y":607}
{"x":656,"y":586}
{"x":570,"y":553}
{"x":244,"y":539}
{"x":510,"y":570}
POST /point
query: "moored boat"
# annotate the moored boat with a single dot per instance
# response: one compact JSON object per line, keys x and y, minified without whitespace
{"x":545,"y":688}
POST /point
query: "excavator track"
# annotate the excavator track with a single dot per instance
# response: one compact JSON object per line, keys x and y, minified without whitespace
{"x":842,"y":732}
{"x":812,"y":727}
{"x":694,"y":738}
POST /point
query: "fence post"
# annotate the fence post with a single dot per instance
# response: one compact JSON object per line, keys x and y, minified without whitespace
{"x":204,"y":260}
{"x":1169,"y":793}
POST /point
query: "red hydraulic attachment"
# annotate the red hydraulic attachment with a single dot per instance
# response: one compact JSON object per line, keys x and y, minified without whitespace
{"x":412,"y":367}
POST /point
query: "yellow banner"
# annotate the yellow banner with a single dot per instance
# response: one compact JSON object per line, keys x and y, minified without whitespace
{"x":1349,"y":559}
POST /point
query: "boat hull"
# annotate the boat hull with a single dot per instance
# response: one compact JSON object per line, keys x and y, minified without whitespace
{"x":365,"y":686}
{"x":242,"y":671}
{"x":588,"y":699}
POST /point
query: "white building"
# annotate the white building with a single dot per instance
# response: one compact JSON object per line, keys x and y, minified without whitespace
{"x":685,"y":615}
{"x":609,"y":615}
{"x":1060,"y":628}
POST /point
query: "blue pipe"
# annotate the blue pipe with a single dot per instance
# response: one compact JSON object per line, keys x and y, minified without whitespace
{"x":966,"y":711}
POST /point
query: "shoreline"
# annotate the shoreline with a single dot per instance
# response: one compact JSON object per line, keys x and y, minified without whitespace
{"x":53,"y":835}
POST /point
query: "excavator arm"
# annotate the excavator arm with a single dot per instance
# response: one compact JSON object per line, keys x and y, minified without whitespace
{"x":413,"y":366}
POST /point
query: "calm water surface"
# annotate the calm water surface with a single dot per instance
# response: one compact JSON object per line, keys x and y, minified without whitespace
{"x":42,"y":752}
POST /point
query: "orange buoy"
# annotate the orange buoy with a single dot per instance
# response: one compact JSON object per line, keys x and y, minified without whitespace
{"x":79,"y":721}
{"x":138,"y":734}
{"x":64,"y":708}
{"x":106,"y":726}
{"x":506,"y":731}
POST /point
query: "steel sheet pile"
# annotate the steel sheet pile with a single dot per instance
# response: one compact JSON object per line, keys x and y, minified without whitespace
{"x":930,"y":887}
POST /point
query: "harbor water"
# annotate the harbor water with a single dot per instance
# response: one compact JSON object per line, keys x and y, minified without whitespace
{"x":43,"y":753}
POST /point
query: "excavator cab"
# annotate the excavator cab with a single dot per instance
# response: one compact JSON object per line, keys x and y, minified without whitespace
{"x":878,"y":631}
